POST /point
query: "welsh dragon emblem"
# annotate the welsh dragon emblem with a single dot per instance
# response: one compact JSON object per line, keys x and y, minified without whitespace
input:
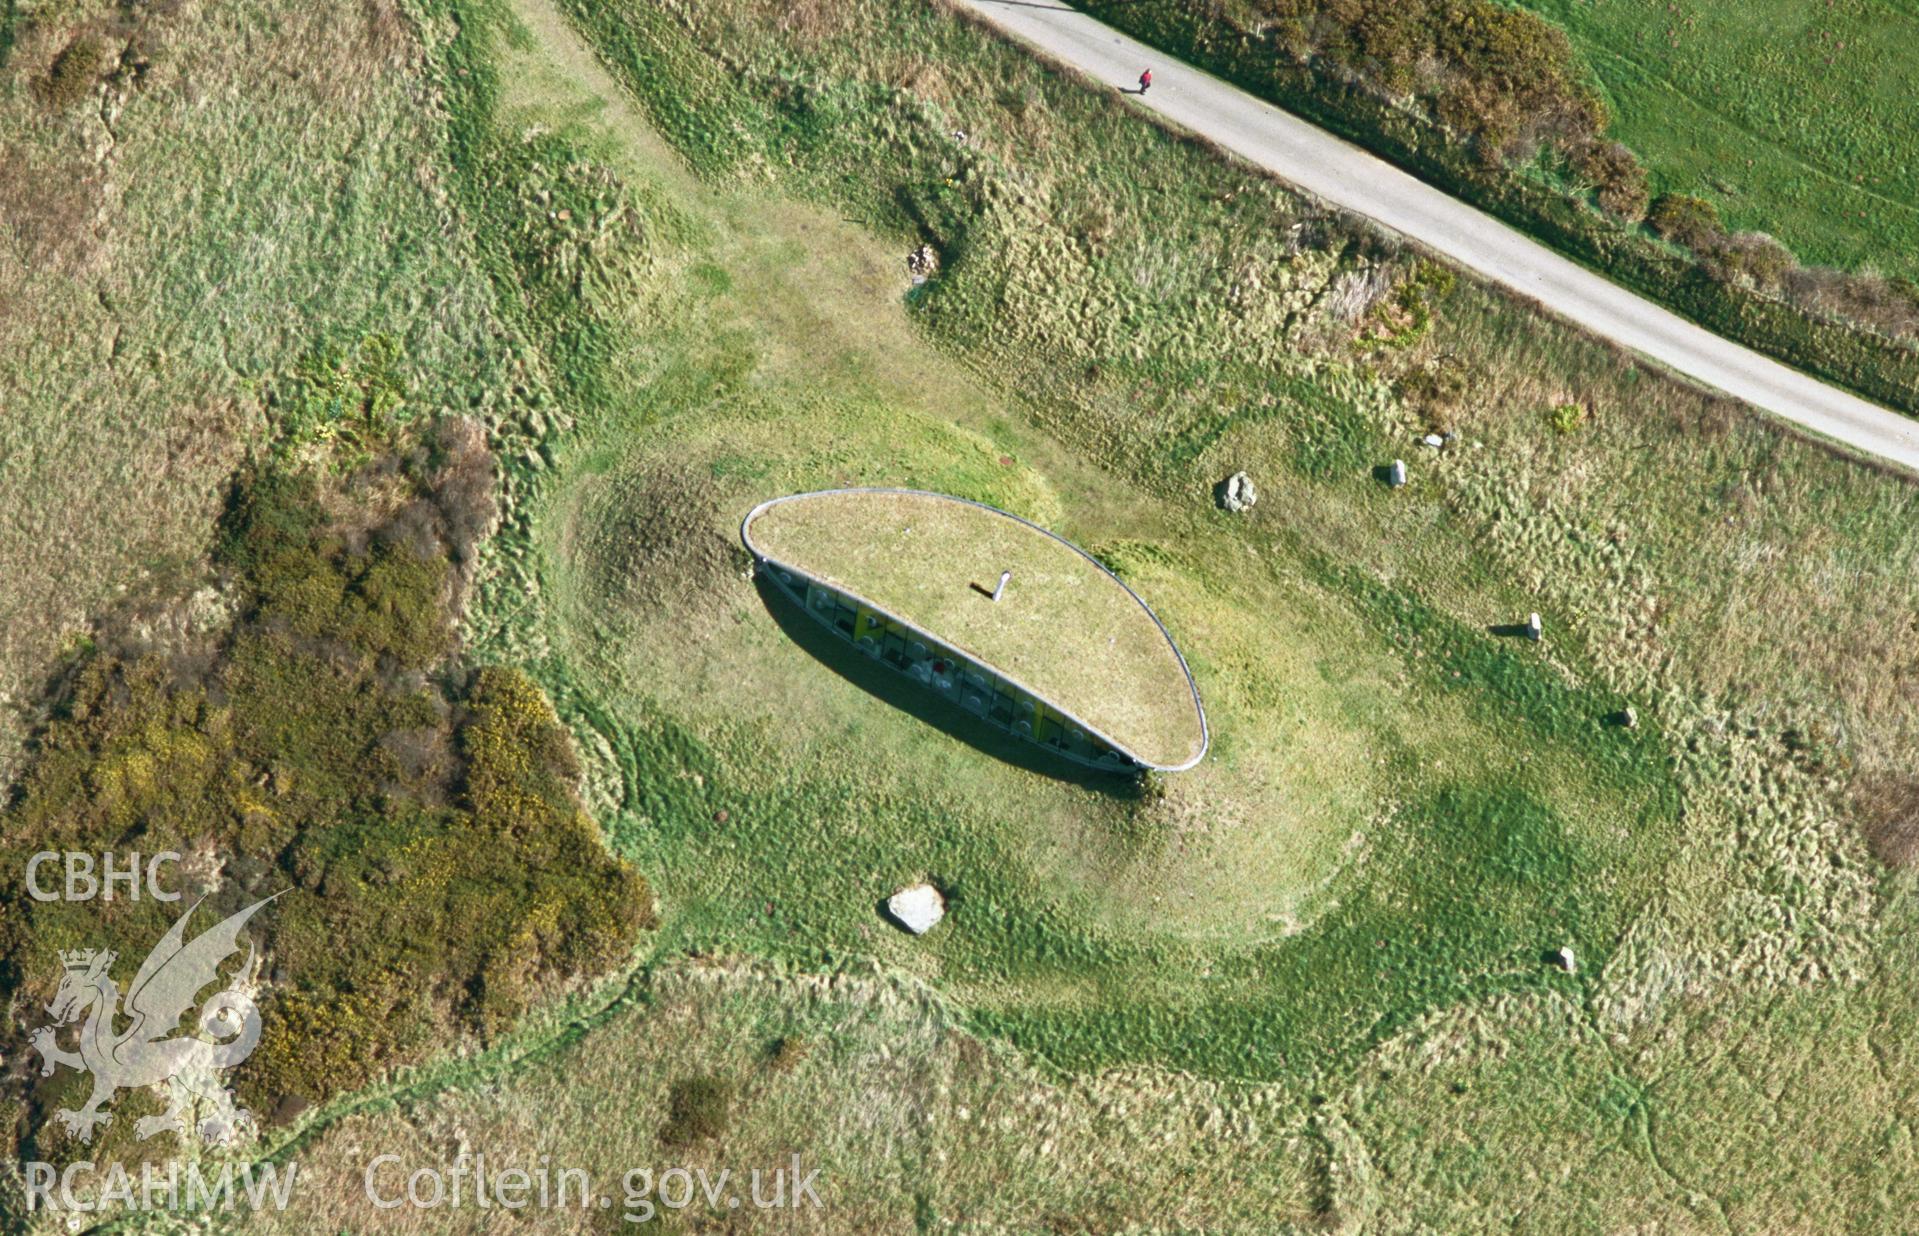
{"x":142,"y":1053}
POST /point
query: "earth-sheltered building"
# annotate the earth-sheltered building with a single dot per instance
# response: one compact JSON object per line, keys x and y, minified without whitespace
{"x":1010,"y":622}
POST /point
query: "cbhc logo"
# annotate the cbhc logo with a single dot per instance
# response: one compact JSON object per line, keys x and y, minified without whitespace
{"x":87,"y":876}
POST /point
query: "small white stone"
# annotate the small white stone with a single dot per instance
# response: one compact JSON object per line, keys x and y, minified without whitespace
{"x":917,"y":907}
{"x":1566,"y":960}
{"x":1434,"y":440}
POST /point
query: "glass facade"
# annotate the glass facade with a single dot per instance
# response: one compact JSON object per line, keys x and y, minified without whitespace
{"x":971,"y":686}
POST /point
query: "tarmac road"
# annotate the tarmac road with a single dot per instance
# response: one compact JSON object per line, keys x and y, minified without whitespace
{"x":1346,"y":176}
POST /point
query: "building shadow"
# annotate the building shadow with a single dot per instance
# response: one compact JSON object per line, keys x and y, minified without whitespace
{"x":896,"y":690}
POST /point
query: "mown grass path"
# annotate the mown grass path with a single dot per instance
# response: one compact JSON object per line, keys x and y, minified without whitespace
{"x":1347,"y":176}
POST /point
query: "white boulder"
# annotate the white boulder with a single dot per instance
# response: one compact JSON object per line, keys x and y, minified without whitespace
{"x":917,"y":907}
{"x":1237,"y":494}
{"x":923,"y":263}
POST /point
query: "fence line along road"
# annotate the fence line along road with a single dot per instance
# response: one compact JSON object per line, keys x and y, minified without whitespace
{"x":1346,"y":176}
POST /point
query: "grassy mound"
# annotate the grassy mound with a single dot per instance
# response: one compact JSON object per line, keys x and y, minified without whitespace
{"x":1062,"y":627}
{"x":1355,"y":724}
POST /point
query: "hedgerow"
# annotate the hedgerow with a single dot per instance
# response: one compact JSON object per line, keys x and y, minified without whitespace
{"x":1487,"y":103}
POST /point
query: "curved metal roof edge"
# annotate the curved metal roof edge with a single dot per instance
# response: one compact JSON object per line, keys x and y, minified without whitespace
{"x":1192,"y":688}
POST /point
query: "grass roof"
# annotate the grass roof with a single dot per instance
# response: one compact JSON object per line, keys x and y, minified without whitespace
{"x":1065,"y":628}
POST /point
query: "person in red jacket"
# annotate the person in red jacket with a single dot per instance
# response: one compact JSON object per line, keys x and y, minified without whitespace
{"x":1145,"y":80}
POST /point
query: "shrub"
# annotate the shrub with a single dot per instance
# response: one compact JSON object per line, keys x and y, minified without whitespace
{"x":1566,"y":417}
{"x":1479,"y":111}
{"x":463,"y":486}
{"x":1888,"y":306}
{"x":268,"y":513}
{"x":1617,"y":177}
{"x":786,"y":1054}
{"x":394,"y":608}
{"x":1435,"y":389}
{"x":1391,"y":39}
{"x":1689,"y":221}
{"x":698,"y":1110}
{"x":312,"y":754}
{"x":1503,"y":74}
{"x":519,"y":766}
{"x":1750,"y":257}
{"x":73,"y":73}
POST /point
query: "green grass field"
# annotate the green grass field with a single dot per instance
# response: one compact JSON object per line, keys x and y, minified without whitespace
{"x":1501,"y":811}
{"x":1306,"y":985}
{"x":912,"y":1122}
{"x":1794,"y":116}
